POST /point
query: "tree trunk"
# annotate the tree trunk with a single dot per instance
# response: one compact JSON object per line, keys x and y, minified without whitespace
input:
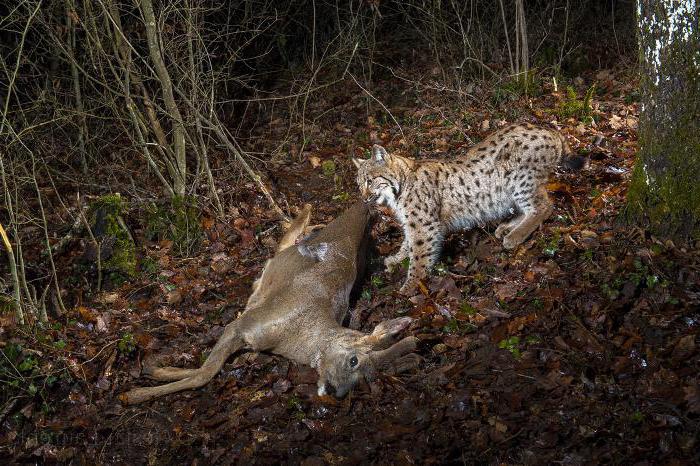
{"x":152,"y":34}
{"x":664,"y":194}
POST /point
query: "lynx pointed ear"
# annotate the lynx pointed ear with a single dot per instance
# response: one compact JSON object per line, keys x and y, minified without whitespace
{"x":358,"y":162}
{"x":379,"y":153}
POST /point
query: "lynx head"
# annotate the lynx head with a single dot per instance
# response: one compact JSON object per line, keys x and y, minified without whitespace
{"x":380,"y":177}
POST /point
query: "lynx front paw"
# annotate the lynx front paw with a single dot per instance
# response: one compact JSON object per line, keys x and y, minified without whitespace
{"x":410,"y":287}
{"x":512,"y":241}
{"x":502,"y":230}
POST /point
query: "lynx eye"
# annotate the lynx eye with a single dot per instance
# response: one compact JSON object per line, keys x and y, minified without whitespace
{"x":353,"y":361}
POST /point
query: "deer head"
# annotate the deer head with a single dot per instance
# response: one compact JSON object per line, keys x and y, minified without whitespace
{"x":352,"y":355}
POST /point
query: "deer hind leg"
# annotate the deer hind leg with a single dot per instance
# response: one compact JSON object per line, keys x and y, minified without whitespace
{"x":188,"y":379}
{"x":296,"y":228}
{"x":536,"y":208}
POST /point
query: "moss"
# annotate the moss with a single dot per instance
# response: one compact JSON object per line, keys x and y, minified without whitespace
{"x":108,"y":226}
{"x":177,"y":220}
{"x":668,"y":200}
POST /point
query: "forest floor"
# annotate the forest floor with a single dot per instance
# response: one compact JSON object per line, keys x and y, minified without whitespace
{"x":578,"y":347}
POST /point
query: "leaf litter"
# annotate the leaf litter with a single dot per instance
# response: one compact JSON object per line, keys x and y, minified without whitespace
{"x":579,"y":346}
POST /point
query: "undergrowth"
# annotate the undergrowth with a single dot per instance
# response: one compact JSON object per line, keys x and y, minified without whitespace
{"x":177,"y":220}
{"x":573,"y":107}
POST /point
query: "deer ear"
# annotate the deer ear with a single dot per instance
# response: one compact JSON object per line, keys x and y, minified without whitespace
{"x":379,"y":153}
{"x":382,"y":333}
{"x":391,"y":327}
{"x":358,"y":162}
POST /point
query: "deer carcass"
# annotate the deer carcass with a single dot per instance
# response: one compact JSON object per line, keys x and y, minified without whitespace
{"x":296,"y":310}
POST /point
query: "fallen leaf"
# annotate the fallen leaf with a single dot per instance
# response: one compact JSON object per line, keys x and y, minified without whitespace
{"x":616,"y":122}
{"x":692,"y":398}
{"x":684,"y":348}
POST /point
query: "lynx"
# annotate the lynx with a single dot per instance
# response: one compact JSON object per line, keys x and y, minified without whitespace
{"x":505,"y":174}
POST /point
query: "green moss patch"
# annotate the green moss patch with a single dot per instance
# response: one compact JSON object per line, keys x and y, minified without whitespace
{"x":177,"y":220}
{"x":118,"y":251}
{"x":664,"y":193}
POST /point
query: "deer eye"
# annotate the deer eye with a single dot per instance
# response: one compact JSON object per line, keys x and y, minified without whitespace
{"x":353,"y":361}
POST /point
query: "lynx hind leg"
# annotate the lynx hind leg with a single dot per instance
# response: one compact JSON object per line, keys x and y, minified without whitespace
{"x":296,"y":228}
{"x":536,"y":208}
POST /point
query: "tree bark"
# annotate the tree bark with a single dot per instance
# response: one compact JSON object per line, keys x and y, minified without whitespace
{"x":664,"y":194}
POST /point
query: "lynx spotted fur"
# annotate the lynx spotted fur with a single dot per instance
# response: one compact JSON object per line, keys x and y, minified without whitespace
{"x":505,"y":174}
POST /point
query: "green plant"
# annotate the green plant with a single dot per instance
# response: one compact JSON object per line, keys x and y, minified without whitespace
{"x":126,"y":344}
{"x":7,"y":304}
{"x":28,"y":364}
{"x":458,"y":326}
{"x":551,"y":247}
{"x":328,"y":167}
{"x":342,"y":197}
{"x":21,"y":374}
{"x":149,"y":266}
{"x":296,"y":406}
{"x":632,"y":97}
{"x":479,"y":279}
{"x":511,"y":344}
{"x":377,"y":281}
{"x":525,"y":83}
{"x":642,"y":275}
{"x":612,"y":290}
{"x":532,"y":340}
{"x":573,"y":107}
{"x":637,"y":417}
{"x":467,"y":309}
{"x":587,"y":255}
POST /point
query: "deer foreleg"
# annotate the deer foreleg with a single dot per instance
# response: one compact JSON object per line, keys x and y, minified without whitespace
{"x":187,"y":379}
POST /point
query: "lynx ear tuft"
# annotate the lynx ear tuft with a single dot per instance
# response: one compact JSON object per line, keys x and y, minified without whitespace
{"x":379,"y":153}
